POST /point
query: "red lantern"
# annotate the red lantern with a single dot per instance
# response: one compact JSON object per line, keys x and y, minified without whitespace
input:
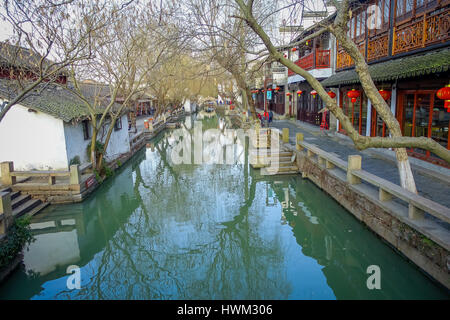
{"x":332,"y":94}
{"x":299,"y":92}
{"x":288,"y":94}
{"x":270,"y":89}
{"x":277,"y":89}
{"x":353,"y":94}
{"x":385,"y":94}
{"x":444,"y":94}
{"x":314,"y":93}
{"x":294,"y":49}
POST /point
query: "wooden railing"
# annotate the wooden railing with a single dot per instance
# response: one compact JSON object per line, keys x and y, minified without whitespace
{"x":378,"y":48}
{"x":305,"y":62}
{"x":428,"y":30}
{"x":322,"y":59}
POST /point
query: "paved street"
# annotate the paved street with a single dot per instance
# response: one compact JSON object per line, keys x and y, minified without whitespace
{"x":427,"y":186}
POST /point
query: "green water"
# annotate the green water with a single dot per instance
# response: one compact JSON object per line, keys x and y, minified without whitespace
{"x":163,"y":231}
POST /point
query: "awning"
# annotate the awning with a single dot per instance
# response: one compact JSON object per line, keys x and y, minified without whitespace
{"x":407,"y":67}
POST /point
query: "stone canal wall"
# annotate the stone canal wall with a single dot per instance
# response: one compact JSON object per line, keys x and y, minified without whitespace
{"x":416,"y":227}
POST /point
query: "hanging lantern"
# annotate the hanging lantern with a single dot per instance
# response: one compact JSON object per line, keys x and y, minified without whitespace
{"x":444,"y":94}
{"x":299,"y":92}
{"x":314,"y":93}
{"x":288,"y":94}
{"x":332,"y":94}
{"x":262,"y":90}
{"x":385,"y":94}
{"x":270,"y":89}
{"x":277,"y":89}
{"x":353,"y":94}
{"x":294,"y":49}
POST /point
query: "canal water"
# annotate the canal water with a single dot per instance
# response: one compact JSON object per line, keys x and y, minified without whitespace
{"x":158,"y":230}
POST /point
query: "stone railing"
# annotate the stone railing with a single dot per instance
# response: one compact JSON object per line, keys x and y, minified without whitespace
{"x":417,"y":205}
{"x":412,"y":224}
{"x":9,"y":175}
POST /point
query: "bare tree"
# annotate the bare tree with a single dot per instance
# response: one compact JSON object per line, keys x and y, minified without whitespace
{"x":339,"y":29}
{"x":47,"y":38}
{"x":124,"y":55}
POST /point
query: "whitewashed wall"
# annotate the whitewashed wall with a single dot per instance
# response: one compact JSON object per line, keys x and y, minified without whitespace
{"x":77,"y":146}
{"x":120,"y":141}
{"x":33,"y":141}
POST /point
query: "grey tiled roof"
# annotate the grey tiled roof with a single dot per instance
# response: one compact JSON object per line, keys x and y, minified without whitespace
{"x":51,"y":99}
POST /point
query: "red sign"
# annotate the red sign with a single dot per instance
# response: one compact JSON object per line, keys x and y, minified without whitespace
{"x":90,"y":181}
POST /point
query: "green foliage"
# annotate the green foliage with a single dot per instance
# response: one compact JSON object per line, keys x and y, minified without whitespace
{"x":97,"y":176}
{"x":99,"y":149}
{"x":108,"y":171}
{"x":427,"y":241}
{"x":18,"y":235}
{"x":75,"y":160}
{"x":119,"y":163}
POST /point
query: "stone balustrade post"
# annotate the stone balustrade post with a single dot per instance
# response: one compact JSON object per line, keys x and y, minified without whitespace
{"x":5,"y":212}
{"x":286,"y":135}
{"x":7,"y":168}
{"x":354,"y":163}
{"x":75,"y":175}
{"x":299,"y":138}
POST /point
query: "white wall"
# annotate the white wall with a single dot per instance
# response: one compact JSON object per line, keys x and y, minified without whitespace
{"x":119,"y":142}
{"x":33,"y":141}
{"x":77,"y":146}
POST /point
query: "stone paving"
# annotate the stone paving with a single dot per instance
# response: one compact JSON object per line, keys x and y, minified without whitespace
{"x":428,"y":187}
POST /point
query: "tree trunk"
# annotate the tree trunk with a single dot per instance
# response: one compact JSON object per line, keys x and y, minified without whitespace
{"x":108,"y":137}
{"x":93,"y":143}
{"x":404,"y":168}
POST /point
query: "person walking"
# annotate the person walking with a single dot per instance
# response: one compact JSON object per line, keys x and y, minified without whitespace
{"x":270,"y":116}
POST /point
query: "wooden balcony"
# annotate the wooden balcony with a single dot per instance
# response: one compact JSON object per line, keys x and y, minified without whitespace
{"x":425,"y":30}
{"x":343,"y":59}
{"x":318,"y":59}
{"x":430,"y":29}
{"x":378,"y":48}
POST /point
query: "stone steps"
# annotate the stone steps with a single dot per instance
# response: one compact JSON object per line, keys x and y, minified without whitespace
{"x":20,"y":200}
{"x":22,"y":204}
{"x":26,"y":207}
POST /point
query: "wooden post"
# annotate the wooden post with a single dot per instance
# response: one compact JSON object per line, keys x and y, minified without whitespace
{"x":354,"y":163}
{"x":309,"y":153}
{"x":286,"y":135}
{"x":5,"y":211}
{"x":6,"y":168}
{"x":75,"y":175}
{"x":299,"y":138}
{"x":415,"y":213}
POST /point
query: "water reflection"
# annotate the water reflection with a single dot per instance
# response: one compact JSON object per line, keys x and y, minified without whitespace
{"x":163,"y":231}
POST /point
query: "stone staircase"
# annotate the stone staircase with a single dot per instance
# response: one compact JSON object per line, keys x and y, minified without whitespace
{"x":22,"y":204}
{"x":272,"y":162}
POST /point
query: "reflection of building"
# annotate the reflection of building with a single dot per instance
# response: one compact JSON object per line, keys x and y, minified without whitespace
{"x":73,"y":234}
